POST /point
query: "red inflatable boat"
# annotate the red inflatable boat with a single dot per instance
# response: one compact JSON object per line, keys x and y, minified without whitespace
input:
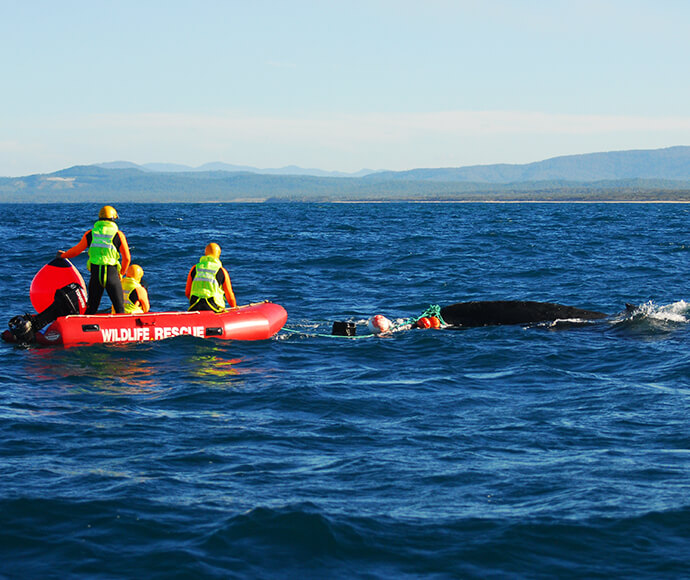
{"x":251,"y":322}
{"x":256,"y":321}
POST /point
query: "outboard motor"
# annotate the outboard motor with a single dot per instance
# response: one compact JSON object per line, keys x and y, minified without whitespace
{"x":66,"y":301}
{"x":22,"y":328}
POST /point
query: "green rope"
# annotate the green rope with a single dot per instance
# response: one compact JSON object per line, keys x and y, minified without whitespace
{"x":432,"y":310}
{"x":291,"y":331}
{"x":435,"y":310}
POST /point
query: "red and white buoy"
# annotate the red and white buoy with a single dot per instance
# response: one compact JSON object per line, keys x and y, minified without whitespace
{"x":378,"y":324}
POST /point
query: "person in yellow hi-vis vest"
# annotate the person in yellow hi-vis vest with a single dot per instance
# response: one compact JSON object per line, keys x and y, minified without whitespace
{"x":106,"y":245}
{"x":135,"y":295}
{"x":208,"y":283}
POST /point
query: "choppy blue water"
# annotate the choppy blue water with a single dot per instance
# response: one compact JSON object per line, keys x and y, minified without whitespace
{"x":484,"y":453}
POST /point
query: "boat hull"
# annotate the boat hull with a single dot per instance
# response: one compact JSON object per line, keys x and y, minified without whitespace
{"x":251,"y":322}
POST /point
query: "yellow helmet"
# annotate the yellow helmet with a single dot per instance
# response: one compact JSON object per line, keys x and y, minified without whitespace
{"x":135,"y":271}
{"x":107,"y":213}
{"x":212,"y":250}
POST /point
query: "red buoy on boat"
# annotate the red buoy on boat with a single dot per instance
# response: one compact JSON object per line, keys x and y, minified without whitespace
{"x":54,"y":275}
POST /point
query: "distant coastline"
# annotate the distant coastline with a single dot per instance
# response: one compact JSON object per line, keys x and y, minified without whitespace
{"x":490,"y":201}
{"x":649,"y":176}
{"x":381,"y":201}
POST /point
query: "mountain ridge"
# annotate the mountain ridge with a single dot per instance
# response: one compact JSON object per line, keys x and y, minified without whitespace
{"x":667,"y":163}
{"x":659,"y":174}
{"x":230,"y":168}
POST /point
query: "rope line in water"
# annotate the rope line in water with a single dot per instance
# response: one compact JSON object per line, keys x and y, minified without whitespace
{"x":291,"y":331}
{"x":432,"y":310}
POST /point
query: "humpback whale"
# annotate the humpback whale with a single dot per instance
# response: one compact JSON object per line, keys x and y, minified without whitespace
{"x":499,"y":312}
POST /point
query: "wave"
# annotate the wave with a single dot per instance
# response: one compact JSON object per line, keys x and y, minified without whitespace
{"x":651,"y":320}
{"x":100,"y":537}
{"x":675,"y":312}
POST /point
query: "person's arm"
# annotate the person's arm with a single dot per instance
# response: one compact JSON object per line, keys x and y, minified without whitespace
{"x":124,"y":253}
{"x":227,"y":288}
{"x":143,"y":297}
{"x":76,"y":250}
{"x":190,"y":278}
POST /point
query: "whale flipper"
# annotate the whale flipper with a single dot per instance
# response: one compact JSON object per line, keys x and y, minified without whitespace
{"x":499,"y":312}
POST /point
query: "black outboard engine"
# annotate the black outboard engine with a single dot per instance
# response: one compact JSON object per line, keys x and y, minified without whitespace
{"x":22,"y":328}
{"x":70,"y":299}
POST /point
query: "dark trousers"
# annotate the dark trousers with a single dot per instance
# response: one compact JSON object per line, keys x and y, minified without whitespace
{"x":196,"y":303}
{"x":105,"y":278}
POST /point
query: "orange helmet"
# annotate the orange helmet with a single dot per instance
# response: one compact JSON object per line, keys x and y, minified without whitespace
{"x":107,"y":213}
{"x":212,"y":250}
{"x":135,"y":271}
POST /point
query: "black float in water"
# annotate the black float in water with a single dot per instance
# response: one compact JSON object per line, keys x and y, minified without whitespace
{"x":344,"y":329}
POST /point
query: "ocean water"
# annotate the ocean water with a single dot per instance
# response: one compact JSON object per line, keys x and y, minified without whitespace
{"x":546,"y":451}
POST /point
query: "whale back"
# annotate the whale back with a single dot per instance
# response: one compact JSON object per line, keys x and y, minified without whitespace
{"x":499,"y":312}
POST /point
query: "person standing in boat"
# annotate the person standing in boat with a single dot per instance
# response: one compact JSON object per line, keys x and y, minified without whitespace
{"x":208,"y":283}
{"x":106,"y":245}
{"x":135,"y":295}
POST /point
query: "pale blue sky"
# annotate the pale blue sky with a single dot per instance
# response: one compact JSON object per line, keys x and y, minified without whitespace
{"x":338,"y":85}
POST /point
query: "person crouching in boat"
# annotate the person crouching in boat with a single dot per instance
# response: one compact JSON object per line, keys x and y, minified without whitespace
{"x":106,"y":245}
{"x":136,"y":297}
{"x":208,"y":283}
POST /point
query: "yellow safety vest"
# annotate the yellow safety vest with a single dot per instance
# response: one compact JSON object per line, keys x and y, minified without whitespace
{"x":205,"y":284}
{"x":129,"y":284}
{"x":102,"y":251}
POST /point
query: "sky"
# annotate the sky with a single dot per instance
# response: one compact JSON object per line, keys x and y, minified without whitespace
{"x":338,"y":85}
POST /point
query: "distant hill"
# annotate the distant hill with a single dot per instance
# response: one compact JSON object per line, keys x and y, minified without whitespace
{"x":218,"y":166}
{"x":662,"y":174}
{"x":671,"y":163}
